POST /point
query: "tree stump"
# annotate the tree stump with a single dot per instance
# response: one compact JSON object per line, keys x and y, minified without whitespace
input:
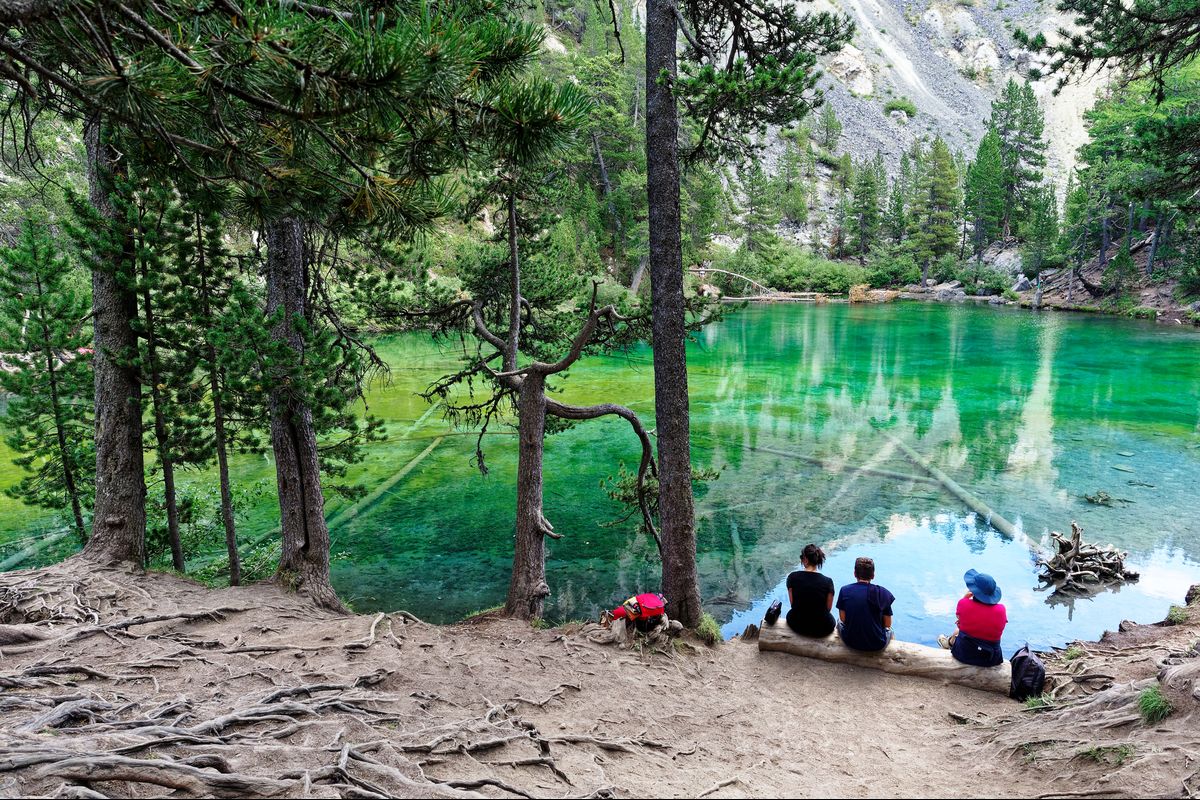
{"x":1079,"y":568}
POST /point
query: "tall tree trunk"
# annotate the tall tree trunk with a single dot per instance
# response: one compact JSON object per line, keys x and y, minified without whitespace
{"x":220,"y":441}
{"x":1154,"y":239}
{"x":527,"y":589}
{"x":1129,"y":225}
{"x":222,"y":445}
{"x":304,"y":561}
{"x":165,"y":462}
{"x":679,"y":580}
{"x":1105,"y":236}
{"x":636,"y":282}
{"x":119,"y":519}
{"x":606,"y":185}
{"x":60,"y":429}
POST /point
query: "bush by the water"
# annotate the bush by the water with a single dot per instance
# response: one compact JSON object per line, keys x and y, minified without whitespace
{"x":798,"y":271}
{"x":982,"y":280}
{"x":786,"y":268}
{"x":887,"y":267}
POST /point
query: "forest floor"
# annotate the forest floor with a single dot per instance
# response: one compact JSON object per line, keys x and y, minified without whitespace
{"x":153,"y":684}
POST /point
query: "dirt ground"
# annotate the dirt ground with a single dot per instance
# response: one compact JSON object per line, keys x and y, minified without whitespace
{"x":154,"y":686}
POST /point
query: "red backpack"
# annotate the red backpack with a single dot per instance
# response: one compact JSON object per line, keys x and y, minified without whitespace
{"x":643,"y":610}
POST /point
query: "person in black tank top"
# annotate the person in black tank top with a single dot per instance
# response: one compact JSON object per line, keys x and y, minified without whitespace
{"x":811,"y":596}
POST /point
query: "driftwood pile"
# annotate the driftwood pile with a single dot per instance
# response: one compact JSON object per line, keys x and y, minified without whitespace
{"x":1079,"y":568}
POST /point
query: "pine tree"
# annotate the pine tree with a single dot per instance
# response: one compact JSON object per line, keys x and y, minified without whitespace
{"x":1040,"y":232}
{"x":210,"y":292}
{"x":1146,"y":38}
{"x":47,"y":368}
{"x":1019,"y":123}
{"x":984,"y":193}
{"x":829,"y":129}
{"x":760,"y":214}
{"x":895,"y":221}
{"x":792,"y":187}
{"x":936,"y":212}
{"x":864,"y":212}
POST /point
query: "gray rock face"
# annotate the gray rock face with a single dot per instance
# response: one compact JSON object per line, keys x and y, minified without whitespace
{"x":1022,"y":285}
{"x":899,"y":117}
{"x":949,"y":295}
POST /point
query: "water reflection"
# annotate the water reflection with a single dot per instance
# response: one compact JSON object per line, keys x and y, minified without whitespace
{"x":922,"y":562}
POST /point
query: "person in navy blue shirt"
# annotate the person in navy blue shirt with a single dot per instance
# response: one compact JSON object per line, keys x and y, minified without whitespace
{"x":865,"y":610}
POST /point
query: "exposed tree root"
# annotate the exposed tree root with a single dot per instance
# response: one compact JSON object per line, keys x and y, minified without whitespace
{"x":99,"y":698}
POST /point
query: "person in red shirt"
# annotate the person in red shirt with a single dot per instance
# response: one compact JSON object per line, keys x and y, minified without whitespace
{"x":981,"y":621}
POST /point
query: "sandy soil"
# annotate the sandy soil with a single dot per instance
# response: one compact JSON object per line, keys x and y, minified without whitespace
{"x":252,"y":692}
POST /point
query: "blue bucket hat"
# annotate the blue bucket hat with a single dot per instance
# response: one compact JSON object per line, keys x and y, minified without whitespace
{"x":983,"y":587}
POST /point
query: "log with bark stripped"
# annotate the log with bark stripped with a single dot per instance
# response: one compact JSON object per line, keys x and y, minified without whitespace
{"x":898,"y":658}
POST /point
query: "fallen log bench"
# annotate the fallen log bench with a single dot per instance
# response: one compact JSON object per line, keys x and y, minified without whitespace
{"x":898,"y":658}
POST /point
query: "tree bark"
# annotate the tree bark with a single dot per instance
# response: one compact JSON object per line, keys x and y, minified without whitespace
{"x":1105,"y":236}
{"x":304,"y":561}
{"x":679,"y":582}
{"x":119,"y":519}
{"x":1154,"y":238}
{"x":222,"y":447}
{"x":165,"y":462}
{"x":528,"y":589}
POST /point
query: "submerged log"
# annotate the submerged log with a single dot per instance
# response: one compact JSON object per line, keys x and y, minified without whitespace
{"x":971,"y":501}
{"x":898,"y":658}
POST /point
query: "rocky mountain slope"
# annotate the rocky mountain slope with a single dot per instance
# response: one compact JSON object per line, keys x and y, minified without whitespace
{"x":949,"y":59}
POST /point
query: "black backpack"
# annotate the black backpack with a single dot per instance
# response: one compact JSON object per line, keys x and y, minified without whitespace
{"x":1028,"y":674}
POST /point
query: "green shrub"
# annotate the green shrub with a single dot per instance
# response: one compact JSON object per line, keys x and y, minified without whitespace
{"x":1189,"y":280}
{"x":828,"y":159}
{"x":708,"y":630}
{"x":901,"y":104}
{"x":1195,"y":317}
{"x":1010,"y":295}
{"x":891,"y":267}
{"x":799,"y":271}
{"x":981,"y":280}
{"x":1178,"y":615}
{"x":1142,"y":312}
{"x":1153,"y":706}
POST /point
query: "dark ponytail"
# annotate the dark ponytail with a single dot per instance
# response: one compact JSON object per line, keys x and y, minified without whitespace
{"x":813,"y":556}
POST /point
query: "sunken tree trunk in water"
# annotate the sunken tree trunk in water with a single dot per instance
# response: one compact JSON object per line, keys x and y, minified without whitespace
{"x":304,"y":561}
{"x":679,"y":582}
{"x":119,"y":522}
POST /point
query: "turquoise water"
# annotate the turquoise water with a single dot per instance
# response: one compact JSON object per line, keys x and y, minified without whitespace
{"x":1028,"y":412}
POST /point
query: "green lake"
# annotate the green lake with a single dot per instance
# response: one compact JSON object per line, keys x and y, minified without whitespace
{"x":1029,"y":412}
